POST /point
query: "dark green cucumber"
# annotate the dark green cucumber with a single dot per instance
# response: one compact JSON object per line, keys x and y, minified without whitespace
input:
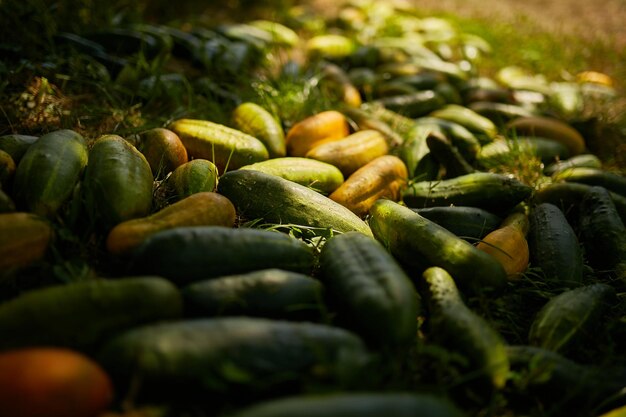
{"x":593,"y":176}
{"x":456,"y":327}
{"x":560,"y":382}
{"x":414,"y":152}
{"x":602,"y":232}
{"x":465,"y":141}
{"x":554,"y":246}
{"x":188,"y":254}
{"x":359,"y":404}
{"x":499,"y":113}
{"x":48,"y":172}
{"x":584,"y":160}
{"x":570,"y":317}
{"x":117,"y":183}
{"x":83,"y":314}
{"x":448,"y":155}
{"x":272,"y":293}
{"x":258,"y":195}
{"x":470,"y":223}
{"x":370,"y":289}
{"x":493,"y":192}
{"x":122,"y":41}
{"x":501,"y":151}
{"x":232,"y":355}
{"x":192,"y":177}
{"x":413,"y":105}
{"x":420,"y":243}
{"x":479,"y":125}
{"x":16,"y":145}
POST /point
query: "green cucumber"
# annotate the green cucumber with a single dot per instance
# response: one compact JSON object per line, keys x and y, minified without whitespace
{"x":232,"y":355}
{"x":192,"y":177}
{"x":469,"y":223}
{"x":254,"y":120}
{"x":416,"y":155}
{"x":189,"y":254}
{"x":584,"y":160}
{"x":369,"y":289}
{"x":499,"y":113}
{"x":83,"y":314}
{"x":16,"y":145}
{"x":570,"y":317}
{"x":456,"y":327}
{"x":48,"y":172}
{"x":272,"y":293}
{"x":413,"y":105}
{"x":448,"y":155}
{"x":554,"y":246}
{"x":593,"y":176}
{"x":117,"y":183}
{"x":420,"y":243}
{"x":602,"y":232}
{"x":465,"y":141}
{"x":258,"y":195}
{"x":318,"y":175}
{"x":359,"y":404}
{"x":502,"y":151}
{"x":481,"y":126}
{"x":497,"y":193}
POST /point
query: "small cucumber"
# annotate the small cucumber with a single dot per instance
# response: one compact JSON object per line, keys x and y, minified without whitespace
{"x":469,"y":223}
{"x":593,"y":176}
{"x":420,"y":243}
{"x":571,"y":316}
{"x":554,"y":246}
{"x":189,"y":254}
{"x":16,"y":145}
{"x":458,"y":328}
{"x":24,"y":239}
{"x":271,"y":293}
{"x":372,"y":292}
{"x":415,"y":104}
{"x":448,"y":156}
{"x":474,"y":122}
{"x":258,"y":195}
{"x":501,"y":151}
{"x":306,"y":134}
{"x":192,"y":177}
{"x":254,"y":120}
{"x":550,"y":128}
{"x":83,"y":314}
{"x":583,"y":160}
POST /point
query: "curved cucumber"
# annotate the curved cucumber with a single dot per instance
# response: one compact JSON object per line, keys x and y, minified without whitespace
{"x":470,"y":223}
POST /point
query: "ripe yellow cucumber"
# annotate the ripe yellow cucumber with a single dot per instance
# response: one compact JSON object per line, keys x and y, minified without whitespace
{"x":254,"y":120}
{"x":307,"y":133}
{"x":24,"y":239}
{"x":549,"y":128}
{"x":508,"y":244}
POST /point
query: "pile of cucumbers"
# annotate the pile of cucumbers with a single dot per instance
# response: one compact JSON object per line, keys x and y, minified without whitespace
{"x":380,"y":256}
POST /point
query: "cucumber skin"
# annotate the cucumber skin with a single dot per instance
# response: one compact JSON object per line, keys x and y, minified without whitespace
{"x":48,"y":171}
{"x":553,"y":328}
{"x":83,"y":314}
{"x":276,"y":200}
{"x":188,"y":254}
{"x":595,"y":177}
{"x":271,"y":293}
{"x":493,"y":192}
{"x":231,"y":355}
{"x":420,"y":243}
{"x":465,"y":222}
{"x":359,"y":404}
{"x":370,"y":288}
{"x":459,"y":328}
{"x":554,"y":246}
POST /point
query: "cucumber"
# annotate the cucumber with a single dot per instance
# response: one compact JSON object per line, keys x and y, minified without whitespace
{"x":83,"y":314}
{"x":497,"y":193}
{"x":117,"y":183}
{"x":318,"y":175}
{"x":272,"y":293}
{"x":258,"y":195}
{"x":6,"y":203}
{"x":369,"y":289}
{"x":190,"y":178}
{"x":593,"y":176}
{"x":230,"y":356}
{"x":413,"y":105}
{"x":420,"y":243}
{"x":24,"y":240}
{"x":7,"y":170}
{"x":583,"y":160}
{"x":254,"y":120}
{"x":188,"y":254}
{"x":48,"y":172}
{"x":559,"y":382}
{"x":554,"y":247}
{"x":16,"y":145}
{"x":602,"y":232}
{"x":358,"y":404}
{"x":502,"y":151}
{"x":465,"y":141}
{"x":499,"y":113}
{"x":549,"y":128}
{"x":472,"y":121}
{"x":414,"y":152}
{"x":469,"y":223}
{"x":570,"y":317}
{"x":456,"y":327}
{"x":448,"y":156}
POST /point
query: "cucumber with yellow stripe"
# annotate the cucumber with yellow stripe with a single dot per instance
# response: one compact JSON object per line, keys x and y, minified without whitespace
{"x":254,"y":120}
{"x":493,"y":192}
{"x":593,"y":176}
{"x":420,"y":243}
{"x":583,"y":160}
{"x":219,"y":144}
{"x":257,"y":195}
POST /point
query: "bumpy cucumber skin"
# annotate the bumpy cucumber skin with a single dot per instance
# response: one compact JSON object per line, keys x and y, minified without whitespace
{"x":231,"y":355}
{"x":466,"y":222}
{"x":420,"y":243}
{"x":83,"y":314}
{"x":370,"y":288}
{"x":570,"y":316}
{"x":459,"y":328}
{"x":272,"y":293}
{"x":189,"y":254}
{"x":554,"y":246}
{"x":276,"y":200}
{"x":360,"y":404}
{"x":492,"y":192}
{"x":48,"y":171}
